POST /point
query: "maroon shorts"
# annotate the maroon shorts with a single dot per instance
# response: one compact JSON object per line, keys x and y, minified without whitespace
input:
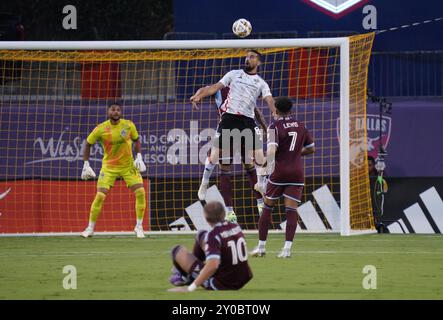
{"x":275,"y":191}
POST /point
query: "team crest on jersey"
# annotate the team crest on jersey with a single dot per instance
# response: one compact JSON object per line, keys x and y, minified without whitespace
{"x":124,"y":133}
{"x":336,"y":8}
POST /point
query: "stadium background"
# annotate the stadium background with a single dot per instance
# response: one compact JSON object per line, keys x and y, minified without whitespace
{"x":407,"y":68}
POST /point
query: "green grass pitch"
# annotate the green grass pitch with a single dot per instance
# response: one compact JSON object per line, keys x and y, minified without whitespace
{"x":322,"y":267}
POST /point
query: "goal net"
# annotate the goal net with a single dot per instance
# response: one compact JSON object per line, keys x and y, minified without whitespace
{"x":52,"y":95}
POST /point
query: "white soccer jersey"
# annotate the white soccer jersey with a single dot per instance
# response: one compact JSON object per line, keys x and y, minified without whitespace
{"x":244,"y":89}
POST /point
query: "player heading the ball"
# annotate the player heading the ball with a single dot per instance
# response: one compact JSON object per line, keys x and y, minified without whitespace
{"x":237,"y":130}
{"x":116,"y":136}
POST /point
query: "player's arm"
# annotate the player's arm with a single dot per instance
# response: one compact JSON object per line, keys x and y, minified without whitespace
{"x":260,"y":119}
{"x":138,"y":163}
{"x":86,"y":152}
{"x":308,"y":146}
{"x":205,"y":92}
{"x":87,"y":171}
{"x":271,"y":150}
{"x":270,"y":153}
{"x":208,"y":271}
{"x":307,"y":150}
{"x":270,"y":102}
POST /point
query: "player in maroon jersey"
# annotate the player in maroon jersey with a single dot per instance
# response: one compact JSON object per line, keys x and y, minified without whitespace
{"x":292,"y":141}
{"x":224,"y":251}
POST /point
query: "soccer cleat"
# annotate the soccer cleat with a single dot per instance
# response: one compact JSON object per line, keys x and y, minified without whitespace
{"x":260,"y":207}
{"x":177,"y":279}
{"x":139,"y":232}
{"x":258,"y":252}
{"x":285,"y":253}
{"x":89,"y":232}
{"x":202,"y":191}
{"x":231,"y":217}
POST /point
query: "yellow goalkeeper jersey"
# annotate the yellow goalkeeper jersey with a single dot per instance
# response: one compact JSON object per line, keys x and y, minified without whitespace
{"x":116,"y":141}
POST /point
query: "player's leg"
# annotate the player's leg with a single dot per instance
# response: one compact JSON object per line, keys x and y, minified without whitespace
{"x":292,"y":195}
{"x":226,"y":191}
{"x":252,"y":177}
{"x":177,"y":277}
{"x":224,"y":142}
{"x":210,"y":164}
{"x":273,"y":193}
{"x":105,"y":181}
{"x":189,"y":267}
{"x":260,"y":161}
{"x":134,"y":181}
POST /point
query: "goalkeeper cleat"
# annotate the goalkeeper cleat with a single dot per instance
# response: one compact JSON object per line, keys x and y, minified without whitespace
{"x":258,"y":252}
{"x":139,"y":232}
{"x":285,"y":253}
{"x":178,"y":280}
{"x":202,"y":191}
{"x":231,"y":217}
{"x":89,"y":232}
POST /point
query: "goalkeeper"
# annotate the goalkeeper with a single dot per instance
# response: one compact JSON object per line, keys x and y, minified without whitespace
{"x":116,"y":136}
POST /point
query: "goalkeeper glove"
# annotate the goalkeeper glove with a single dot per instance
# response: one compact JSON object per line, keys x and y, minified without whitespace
{"x":87,"y":171}
{"x":138,"y":163}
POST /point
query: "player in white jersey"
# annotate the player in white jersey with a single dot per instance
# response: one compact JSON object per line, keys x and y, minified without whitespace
{"x":245,"y":87}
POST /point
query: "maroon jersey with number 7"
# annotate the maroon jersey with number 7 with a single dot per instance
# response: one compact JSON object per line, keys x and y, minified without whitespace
{"x":291,"y":136}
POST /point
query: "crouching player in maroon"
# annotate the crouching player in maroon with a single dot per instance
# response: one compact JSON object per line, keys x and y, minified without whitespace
{"x":223,"y":250}
{"x":292,"y":141}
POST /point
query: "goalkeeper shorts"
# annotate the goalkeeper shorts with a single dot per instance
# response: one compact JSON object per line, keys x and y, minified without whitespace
{"x":107,"y":177}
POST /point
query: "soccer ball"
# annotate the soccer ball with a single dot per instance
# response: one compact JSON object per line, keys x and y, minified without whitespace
{"x":242,"y":28}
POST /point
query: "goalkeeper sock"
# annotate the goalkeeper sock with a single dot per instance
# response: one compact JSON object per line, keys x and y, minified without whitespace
{"x":140,"y":204}
{"x":96,"y":208}
{"x":209,"y":167}
{"x":260,"y":201}
{"x":291,"y":223}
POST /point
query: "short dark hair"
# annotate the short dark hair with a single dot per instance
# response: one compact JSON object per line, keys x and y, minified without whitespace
{"x":260,"y":56}
{"x":214,"y":212}
{"x":114,"y":104}
{"x":283,"y":104}
{"x":371,"y":158}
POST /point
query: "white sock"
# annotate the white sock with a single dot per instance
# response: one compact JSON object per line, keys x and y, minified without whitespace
{"x":261,"y":175}
{"x":288,"y":245}
{"x":91,"y":225}
{"x":139,"y":222}
{"x":230,"y":209}
{"x":209,"y":167}
{"x":260,"y":201}
{"x":262,"y":243}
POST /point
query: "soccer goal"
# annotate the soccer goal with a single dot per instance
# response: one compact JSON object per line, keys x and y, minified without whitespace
{"x":52,"y":94}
